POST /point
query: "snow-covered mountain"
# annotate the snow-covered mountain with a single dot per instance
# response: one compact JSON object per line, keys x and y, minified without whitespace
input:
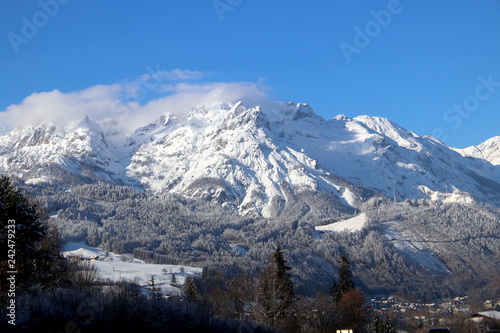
{"x":488,"y":150}
{"x":45,"y":153}
{"x":257,"y":159}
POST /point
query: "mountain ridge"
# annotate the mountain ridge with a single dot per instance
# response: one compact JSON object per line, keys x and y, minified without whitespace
{"x":257,"y":159}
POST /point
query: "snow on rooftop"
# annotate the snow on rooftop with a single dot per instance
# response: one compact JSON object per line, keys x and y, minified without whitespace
{"x":489,"y":314}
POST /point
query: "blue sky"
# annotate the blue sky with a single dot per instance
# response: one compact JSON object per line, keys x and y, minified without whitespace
{"x":431,"y":66}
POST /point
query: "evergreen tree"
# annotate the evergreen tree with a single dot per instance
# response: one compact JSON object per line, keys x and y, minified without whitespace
{"x":27,"y":245}
{"x":155,"y":290}
{"x":349,"y":302}
{"x":345,"y":282}
{"x":15,"y":207}
{"x":190,"y":291}
{"x":277,"y":292}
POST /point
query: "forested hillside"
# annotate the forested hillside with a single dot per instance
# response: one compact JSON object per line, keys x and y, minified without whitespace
{"x":418,"y":248}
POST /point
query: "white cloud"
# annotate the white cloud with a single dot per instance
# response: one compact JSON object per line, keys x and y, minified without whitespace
{"x":60,"y":108}
{"x":155,"y":80}
{"x":120,"y":101}
{"x":184,"y":96}
{"x":182,"y":75}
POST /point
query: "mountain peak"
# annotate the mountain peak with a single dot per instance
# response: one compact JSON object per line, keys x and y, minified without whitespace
{"x":303,"y":111}
{"x":87,"y":123}
{"x":340,"y":117}
{"x":488,"y":150}
{"x":390,"y":129}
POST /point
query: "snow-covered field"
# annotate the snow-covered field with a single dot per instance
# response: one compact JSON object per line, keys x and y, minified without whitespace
{"x":355,"y":223}
{"x":118,"y":267}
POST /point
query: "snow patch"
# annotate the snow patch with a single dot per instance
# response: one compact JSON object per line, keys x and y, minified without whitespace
{"x":353,"y":224}
{"x":113,"y":267}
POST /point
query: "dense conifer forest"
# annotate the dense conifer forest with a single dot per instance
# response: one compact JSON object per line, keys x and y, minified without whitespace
{"x":170,"y":229}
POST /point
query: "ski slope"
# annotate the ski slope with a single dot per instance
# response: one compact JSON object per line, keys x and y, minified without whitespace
{"x":353,"y":224}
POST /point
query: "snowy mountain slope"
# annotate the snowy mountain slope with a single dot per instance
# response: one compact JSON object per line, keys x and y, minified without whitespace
{"x":227,"y":155}
{"x":253,"y":157}
{"x":45,"y":153}
{"x":404,"y":240}
{"x":408,"y":243}
{"x":381,"y":155}
{"x":258,"y":160}
{"x":484,"y":158}
{"x":488,"y":150}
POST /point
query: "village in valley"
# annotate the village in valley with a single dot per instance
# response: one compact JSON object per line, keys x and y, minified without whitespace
{"x":440,"y":312}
